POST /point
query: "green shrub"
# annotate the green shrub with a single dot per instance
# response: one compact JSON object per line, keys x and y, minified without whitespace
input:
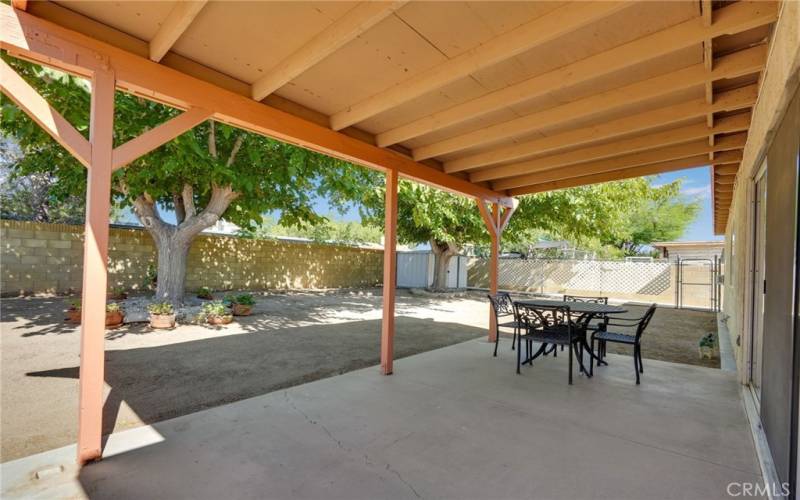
{"x":708,"y":340}
{"x":245,"y":299}
{"x":74,"y":304}
{"x":204,"y":293}
{"x":112,"y":307}
{"x":161,"y":308}
{"x":215,"y":309}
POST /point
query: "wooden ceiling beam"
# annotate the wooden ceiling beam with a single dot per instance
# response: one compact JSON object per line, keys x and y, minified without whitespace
{"x":727,"y":169}
{"x":178,"y":20}
{"x":556,"y":23}
{"x":725,"y":181}
{"x":736,"y":123}
{"x":628,"y":173}
{"x":740,"y":63}
{"x":731,"y":19}
{"x":733,"y":100}
{"x":617,"y":163}
{"x":356,"y":21}
{"x":21,"y":35}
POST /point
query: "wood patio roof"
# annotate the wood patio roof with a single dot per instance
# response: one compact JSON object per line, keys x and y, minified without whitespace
{"x":489,"y":99}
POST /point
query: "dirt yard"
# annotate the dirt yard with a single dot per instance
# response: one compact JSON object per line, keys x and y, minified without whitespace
{"x":292,"y":339}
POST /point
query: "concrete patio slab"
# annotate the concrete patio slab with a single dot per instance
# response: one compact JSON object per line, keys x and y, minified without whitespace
{"x":451,"y":423}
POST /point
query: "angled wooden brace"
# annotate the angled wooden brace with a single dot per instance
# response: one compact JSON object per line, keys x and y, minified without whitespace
{"x":158,"y":136}
{"x":40,"y":111}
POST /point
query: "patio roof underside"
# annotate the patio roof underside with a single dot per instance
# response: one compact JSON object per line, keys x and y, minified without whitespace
{"x":513,"y":98}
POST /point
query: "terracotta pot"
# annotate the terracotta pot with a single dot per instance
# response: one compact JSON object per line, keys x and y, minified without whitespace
{"x":162,"y":320}
{"x":220,"y":320}
{"x":242,"y":310}
{"x":74,"y":316}
{"x":114,"y":318}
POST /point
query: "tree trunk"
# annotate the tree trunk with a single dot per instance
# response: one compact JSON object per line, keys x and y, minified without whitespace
{"x":173,"y":241}
{"x":172,"y":255}
{"x":443,"y":252}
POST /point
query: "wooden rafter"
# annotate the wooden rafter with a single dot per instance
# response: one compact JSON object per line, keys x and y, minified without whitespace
{"x":554,"y":24}
{"x":731,"y":19}
{"x":158,"y":136}
{"x":142,"y":77}
{"x":35,"y":106}
{"x":178,"y":20}
{"x":735,"y":123}
{"x":621,"y":162}
{"x":657,"y":168}
{"x":355,"y":22}
{"x":733,"y":100}
{"x":744,"y":62}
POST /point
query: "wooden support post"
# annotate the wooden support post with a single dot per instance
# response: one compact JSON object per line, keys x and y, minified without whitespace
{"x":95,"y":268}
{"x":389,"y":273}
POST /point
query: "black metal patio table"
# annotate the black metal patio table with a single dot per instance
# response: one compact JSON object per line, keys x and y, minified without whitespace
{"x":586,"y":311}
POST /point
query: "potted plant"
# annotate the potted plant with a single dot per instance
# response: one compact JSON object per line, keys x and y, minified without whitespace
{"x":114,"y":315}
{"x":706,"y":346}
{"x":74,"y":311}
{"x":162,"y":315}
{"x":204,"y":293}
{"x":215,"y":313}
{"x":242,"y":304}
{"x":118,"y":293}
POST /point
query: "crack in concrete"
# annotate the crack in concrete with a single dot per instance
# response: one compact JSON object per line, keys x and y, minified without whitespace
{"x":367,"y":460}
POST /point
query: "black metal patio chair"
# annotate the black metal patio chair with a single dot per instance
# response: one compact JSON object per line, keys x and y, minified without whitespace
{"x":597,"y":320}
{"x":551,"y":326}
{"x":603,"y":336}
{"x":503,"y":307}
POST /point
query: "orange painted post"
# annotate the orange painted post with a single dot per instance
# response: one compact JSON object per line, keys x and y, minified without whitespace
{"x":389,"y":273}
{"x":95,"y":270}
{"x":494,"y":267}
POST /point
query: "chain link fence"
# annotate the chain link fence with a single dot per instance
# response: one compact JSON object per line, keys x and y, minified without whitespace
{"x":654,"y":281}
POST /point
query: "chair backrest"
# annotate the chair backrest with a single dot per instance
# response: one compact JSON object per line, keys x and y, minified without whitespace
{"x":583,"y":298}
{"x":544,"y":317}
{"x":645,"y":321}
{"x":502,"y":305}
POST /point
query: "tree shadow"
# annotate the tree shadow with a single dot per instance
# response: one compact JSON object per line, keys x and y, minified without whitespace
{"x":167,"y":381}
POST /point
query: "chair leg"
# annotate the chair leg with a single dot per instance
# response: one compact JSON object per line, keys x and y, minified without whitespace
{"x":570,"y":366}
{"x":519,"y":350}
{"x":641,"y":366}
{"x":591,"y":359}
{"x":514,"y":338}
{"x":636,"y":363}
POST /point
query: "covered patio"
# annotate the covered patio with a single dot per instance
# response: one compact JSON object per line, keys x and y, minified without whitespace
{"x":457,"y":424}
{"x":485,"y":102}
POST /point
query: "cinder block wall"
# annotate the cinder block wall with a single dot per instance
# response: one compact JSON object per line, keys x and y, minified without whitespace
{"x":48,"y":258}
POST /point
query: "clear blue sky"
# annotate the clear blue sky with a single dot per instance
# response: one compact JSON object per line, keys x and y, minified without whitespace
{"x":696,"y":184}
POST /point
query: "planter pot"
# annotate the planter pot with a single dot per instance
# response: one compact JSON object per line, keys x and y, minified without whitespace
{"x":205,"y":298}
{"x":114,"y":319}
{"x":162,"y":320}
{"x":74,"y":316}
{"x":220,"y":320}
{"x":706,"y":352}
{"x":242,"y":310}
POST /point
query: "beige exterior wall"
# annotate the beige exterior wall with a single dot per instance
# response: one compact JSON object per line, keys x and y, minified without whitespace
{"x":48,"y":258}
{"x":779,"y":86}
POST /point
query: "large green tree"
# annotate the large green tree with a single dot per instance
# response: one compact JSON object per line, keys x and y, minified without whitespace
{"x":600,"y":212}
{"x":209,"y":172}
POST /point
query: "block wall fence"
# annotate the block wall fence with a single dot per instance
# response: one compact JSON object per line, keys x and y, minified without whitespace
{"x":48,"y":258}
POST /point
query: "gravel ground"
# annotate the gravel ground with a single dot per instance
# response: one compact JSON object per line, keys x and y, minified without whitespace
{"x":292,"y":338}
